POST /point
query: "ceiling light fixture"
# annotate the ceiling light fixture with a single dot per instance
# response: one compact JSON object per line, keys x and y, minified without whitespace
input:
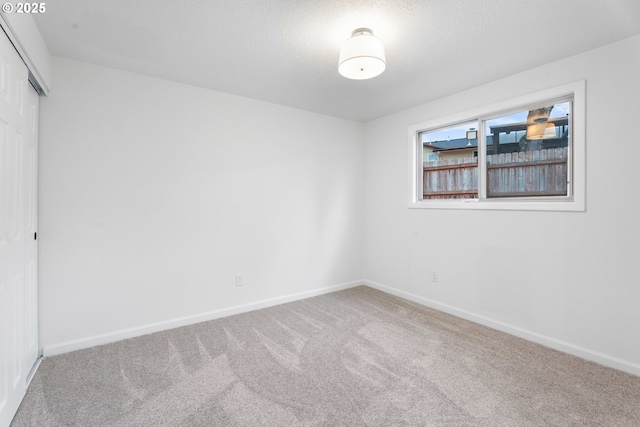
{"x":538,"y":124}
{"x":362,"y":56}
{"x":541,"y":131}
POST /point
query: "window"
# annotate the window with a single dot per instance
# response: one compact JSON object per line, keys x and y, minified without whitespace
{"x":525,"y":154}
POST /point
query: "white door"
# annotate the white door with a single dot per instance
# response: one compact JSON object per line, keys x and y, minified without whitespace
{"x":18,"y":251}
{"x":30,"y":330}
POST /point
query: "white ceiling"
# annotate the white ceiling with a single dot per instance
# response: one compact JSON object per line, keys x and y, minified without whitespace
{"x":286,"y":51}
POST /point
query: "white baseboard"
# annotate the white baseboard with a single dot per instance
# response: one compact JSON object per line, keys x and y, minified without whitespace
{"x":585,"y":353}
{"x":565,"y":347}
{"x":93,"y":341}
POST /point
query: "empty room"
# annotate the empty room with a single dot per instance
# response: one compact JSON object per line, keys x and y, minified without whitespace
{"x":319,"y":213}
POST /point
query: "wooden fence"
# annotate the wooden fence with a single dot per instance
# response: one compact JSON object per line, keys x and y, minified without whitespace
{"x":451,"y":179}
{"x":527,"y":173}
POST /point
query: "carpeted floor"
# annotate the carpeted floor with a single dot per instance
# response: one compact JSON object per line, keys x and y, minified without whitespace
{"x":353,"y":358}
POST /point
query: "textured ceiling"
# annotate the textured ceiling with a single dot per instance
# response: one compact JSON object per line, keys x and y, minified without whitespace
{"x":286,"y":51}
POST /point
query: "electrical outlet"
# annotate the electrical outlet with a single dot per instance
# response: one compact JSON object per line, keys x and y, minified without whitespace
{"x":240,"y":279}
{"x":435,"y":277}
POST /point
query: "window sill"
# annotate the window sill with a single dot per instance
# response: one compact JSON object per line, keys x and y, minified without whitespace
{"x":567,"y":204}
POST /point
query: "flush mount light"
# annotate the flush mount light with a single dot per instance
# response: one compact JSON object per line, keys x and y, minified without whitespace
{"x":541,"y":131}
{"x":362,"y":56}
{"x":538,"y":124}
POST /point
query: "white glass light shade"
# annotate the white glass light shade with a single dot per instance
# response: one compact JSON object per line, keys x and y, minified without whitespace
{"x":541,"y":131}
{"x":362,"y":56}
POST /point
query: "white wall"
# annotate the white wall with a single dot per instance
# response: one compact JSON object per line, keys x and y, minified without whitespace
{"x":566,"y":279}
{"x":154,"y":194}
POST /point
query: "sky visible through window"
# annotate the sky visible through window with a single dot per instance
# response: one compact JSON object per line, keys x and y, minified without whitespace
{"x":460,"y":131}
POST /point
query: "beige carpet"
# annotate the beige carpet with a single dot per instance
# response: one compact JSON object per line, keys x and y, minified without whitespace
{"x":356,"y":357}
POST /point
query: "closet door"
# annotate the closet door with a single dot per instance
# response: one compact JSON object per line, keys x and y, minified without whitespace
{"x":18,"y":279}
{"x":31,"y":349}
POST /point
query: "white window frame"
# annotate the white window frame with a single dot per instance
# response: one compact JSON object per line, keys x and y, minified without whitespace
{"x":574,"y":201}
